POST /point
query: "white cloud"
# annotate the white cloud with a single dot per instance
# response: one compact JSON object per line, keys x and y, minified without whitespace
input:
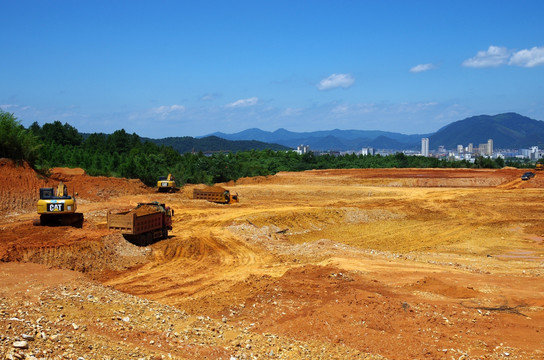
{"x":497,"y":56}
{"x":243,"y":103}
{"x":528,"y":58}
{"x":164,"y":111}
{"x":341,"y":109}
{"x":354,"y":109}
{"x":209,"y":97}
{"x":292,"y":111}
{"x":335,"y":81}
{"x":422,"y":67}
{"x":493,"y":56}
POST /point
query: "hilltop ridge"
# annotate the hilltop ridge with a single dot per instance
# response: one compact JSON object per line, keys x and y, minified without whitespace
{"x":508,"y":130}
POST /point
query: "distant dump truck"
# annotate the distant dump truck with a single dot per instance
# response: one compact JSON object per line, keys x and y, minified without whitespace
{"x":166,"y":184}
{"x":215,"y":194}
{"x":143,"y":224}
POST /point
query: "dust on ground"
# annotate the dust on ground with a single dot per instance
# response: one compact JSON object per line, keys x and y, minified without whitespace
{"x":323,"y":264}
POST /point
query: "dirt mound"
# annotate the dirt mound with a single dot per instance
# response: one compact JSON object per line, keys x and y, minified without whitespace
{"x":68,"y":171}
{"x":434,"y":285}
{"x":94,"y":188}
{"x":87,"y":250}
{"x":144,"y":210}
{"x":20,"y":184}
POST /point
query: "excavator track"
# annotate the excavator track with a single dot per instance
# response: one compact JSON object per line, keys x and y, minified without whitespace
{"x":73,"y":219}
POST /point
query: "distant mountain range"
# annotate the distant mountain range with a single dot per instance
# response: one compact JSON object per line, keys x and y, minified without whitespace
{"x":329,"y":140}
{"x":508,"y":131}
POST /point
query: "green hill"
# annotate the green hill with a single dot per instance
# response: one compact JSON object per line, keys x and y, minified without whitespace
{"x":508,"y":131}
{"x":209,"y":144}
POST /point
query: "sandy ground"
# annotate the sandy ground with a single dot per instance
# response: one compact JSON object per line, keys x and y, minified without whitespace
{"x":331,"y":264}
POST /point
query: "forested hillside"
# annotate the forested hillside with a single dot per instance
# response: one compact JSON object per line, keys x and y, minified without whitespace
{"x":125,"y":155}
{"x":214,"y":144}
{"x":508,"y":131}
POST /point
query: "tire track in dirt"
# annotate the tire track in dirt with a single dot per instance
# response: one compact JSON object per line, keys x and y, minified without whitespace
{"x":201,"y":258}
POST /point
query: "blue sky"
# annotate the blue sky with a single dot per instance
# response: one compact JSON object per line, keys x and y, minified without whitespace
{"x":190,"y":68}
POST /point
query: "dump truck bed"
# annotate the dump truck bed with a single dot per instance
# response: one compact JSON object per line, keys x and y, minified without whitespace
{"x":211,"y":195}
{"x":136,"y":221}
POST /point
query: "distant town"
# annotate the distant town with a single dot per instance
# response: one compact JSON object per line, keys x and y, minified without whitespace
{"x":469,"y":152}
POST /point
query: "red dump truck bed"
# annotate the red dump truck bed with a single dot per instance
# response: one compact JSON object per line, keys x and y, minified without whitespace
{"x":142,"y":224}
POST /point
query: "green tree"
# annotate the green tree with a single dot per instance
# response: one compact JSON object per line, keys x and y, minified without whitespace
{"x":16,"y":142}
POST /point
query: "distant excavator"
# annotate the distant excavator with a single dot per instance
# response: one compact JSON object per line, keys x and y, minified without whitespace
{"x":166,"y":184}
{"x":58,"y":208}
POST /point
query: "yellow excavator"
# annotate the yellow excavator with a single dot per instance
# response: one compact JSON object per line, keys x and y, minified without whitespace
{"x":166,"y":184}
{"x":58,"y":208}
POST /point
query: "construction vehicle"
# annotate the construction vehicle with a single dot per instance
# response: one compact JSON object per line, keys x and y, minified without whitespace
{"x":539,"y":166}
{"x":58,"y":208}
{"x":215,"y":194}
{"x":143,"y":224}
{"x":166,"y":184}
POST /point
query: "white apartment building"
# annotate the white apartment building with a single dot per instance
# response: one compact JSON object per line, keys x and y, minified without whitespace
{"x":425,"y":147}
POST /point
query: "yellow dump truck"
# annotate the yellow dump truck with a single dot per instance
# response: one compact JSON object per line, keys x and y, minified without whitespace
{"x":215,"y":194}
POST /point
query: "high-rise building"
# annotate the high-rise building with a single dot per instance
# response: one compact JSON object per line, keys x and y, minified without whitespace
{"x":490,"y":147}
{"x":460,"y":149}
{"x":425,"y":146}
{"x":303,"y":149}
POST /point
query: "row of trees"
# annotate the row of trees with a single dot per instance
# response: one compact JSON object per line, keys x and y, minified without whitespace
{"x":125,"y":155}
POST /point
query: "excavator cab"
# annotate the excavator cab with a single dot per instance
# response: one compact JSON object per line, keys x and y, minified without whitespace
{"x":58,"y":208}
{"x":166,"y":184}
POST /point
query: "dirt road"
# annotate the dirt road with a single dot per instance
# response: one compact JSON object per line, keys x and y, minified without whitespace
{"x":336,"y":264}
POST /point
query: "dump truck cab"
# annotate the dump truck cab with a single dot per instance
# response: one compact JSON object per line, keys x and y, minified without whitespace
{"x":233,"y":198}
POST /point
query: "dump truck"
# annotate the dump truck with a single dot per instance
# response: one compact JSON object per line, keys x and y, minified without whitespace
{"x":143,"y":224}
{"x":215,"y":194}
{"x":56,"y":207}
{"x":166,"y":184}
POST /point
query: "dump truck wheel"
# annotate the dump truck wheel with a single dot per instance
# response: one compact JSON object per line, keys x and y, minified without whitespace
{"x":141,"y":240}
{"x":164,"y":233}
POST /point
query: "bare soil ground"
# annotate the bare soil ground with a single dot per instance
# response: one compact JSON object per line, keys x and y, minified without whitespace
{"x":329,"y":264}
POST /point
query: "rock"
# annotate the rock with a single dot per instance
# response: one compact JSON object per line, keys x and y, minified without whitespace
{"x":28,"y":337}
{"x":20,"y":344}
